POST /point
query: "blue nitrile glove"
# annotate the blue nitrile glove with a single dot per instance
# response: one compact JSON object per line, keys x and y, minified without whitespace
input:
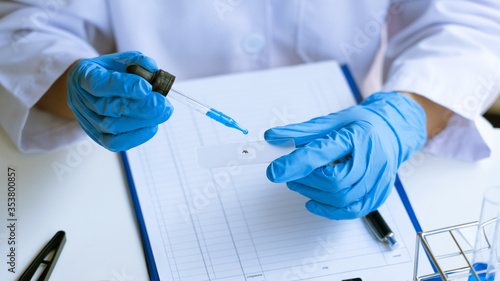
{"x":370,"y":140}
{"x":116,"y":109}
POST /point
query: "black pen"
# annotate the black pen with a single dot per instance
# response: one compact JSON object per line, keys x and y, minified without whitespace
{"x":380,"y":228}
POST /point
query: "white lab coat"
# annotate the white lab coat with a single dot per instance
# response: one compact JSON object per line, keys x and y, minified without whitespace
{"x":447,"y":51}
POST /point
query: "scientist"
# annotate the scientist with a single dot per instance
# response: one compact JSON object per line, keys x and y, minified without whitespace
{"x":61,"y":60}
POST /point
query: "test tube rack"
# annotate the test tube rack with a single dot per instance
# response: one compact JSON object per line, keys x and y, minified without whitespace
{"x":459,"y":258}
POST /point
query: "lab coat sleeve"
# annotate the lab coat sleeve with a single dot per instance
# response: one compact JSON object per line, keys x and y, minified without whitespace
{"x":449,"y":52}
{"x":38,"y":41}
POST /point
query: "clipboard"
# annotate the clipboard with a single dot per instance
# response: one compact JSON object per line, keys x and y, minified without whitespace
{"x":148,"y":251}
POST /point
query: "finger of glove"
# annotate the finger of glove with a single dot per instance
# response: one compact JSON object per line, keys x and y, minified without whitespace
{"x":342,"y":188}
{"x":101,"y":82}
{"x":368,"y":203}
{"x":120,"y":61}
{"x":354,"y":167}
{"x":113,"y":125}
{"x":329,"y":177}
{"x":369,"y":160}
{"x":151,"y":106}
{"x":353,"y":181}
{"x":85,"y":124}
{"x":368,"y":192}
{"x":316,"y":127}
{"x":123,"y":125}
{"x":120,"y":142}
{"x":339,"y":199}
{"x":355,"y":210}
{"x":304,"y":160}
{"x":304,"y":132}
{"x":128,"y":140}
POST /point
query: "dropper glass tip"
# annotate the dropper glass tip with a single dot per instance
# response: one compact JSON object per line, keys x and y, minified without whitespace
{"x":239,"y":127}
{"x":226,"y":120}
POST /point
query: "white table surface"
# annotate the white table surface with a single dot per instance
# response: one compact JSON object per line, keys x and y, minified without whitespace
{"x":82,"y":190}
{"x":446,"y":192}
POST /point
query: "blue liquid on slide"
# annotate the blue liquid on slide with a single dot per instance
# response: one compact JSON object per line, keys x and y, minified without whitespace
{"x":226,"y":120}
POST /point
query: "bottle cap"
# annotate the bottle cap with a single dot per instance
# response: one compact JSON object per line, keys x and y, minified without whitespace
{"x":161,"y":80}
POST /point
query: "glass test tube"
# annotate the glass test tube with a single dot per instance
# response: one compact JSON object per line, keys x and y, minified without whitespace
{"x":486,"y":254}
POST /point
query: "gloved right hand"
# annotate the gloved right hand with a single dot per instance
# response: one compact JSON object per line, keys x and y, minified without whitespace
{"x":116,"y":109}
{"x":370,"y":140}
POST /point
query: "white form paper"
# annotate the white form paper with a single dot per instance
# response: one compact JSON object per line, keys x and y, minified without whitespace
{"x":231,"y":223}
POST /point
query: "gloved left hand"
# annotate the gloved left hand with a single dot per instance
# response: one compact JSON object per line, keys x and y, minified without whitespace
{"x":371,"y":140}
{"x":118,"y":110}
